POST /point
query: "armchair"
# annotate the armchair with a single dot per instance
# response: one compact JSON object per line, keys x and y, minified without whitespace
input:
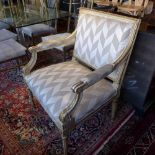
{"x":135,"y":8}
{"x":71,"y":91}
{"x":107,"y":2}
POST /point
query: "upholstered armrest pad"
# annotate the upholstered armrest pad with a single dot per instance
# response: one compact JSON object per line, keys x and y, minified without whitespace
{"x":52,"y":43}
{"x":97,"y":75}
{"x":92,"y":78}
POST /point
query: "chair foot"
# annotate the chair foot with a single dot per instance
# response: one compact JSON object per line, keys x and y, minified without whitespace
{"x":65,"y":144}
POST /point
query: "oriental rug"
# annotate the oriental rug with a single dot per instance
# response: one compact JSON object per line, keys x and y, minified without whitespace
{"x":28,"y":131}
{"x":136,"y":137}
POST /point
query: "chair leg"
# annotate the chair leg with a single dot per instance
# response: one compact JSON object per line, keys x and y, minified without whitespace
{"x":64,"y":55}
{"x":33,"y":41}
{"x":31,"y":98}
{"x":114,"y":108}
{"x":18,"y":62}
{"x":65,"y":144}
{"x":27,"y":56}
{"x":68,"y":25}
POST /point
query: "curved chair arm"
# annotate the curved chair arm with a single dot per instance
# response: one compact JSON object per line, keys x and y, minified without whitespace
{"x":52,"y":43}
{"x":42,"y":47}
{"x":83,"y":84}
{"x":93,"y":78}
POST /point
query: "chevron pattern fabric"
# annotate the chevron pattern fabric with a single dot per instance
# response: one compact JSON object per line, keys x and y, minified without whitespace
{"x":52,"y":87}
{"x":100,"y":40}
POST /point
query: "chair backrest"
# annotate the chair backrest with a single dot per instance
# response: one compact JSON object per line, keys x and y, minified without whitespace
{"x":145,"y":3}
{"x":31,"y":5}
{"x":114,"y":1}
{"x":103,"y":38}
{"x":142,"y":3}
{"x":102,"y":2}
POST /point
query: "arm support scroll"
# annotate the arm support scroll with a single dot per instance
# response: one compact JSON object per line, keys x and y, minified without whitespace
{"x":83,"y":84}
{"x":45,"y":46}
{"x":92,"y":78}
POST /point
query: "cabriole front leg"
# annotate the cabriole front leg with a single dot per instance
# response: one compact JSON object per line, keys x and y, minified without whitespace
{"x":27,"y":68}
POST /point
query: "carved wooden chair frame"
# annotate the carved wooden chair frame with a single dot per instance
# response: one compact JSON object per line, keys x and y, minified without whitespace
{"x":66,"y":118}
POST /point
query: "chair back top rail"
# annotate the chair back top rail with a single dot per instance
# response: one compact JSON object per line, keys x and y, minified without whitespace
{"x":136,"y":2}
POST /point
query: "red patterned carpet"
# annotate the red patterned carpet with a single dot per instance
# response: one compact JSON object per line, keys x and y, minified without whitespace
{"x":24,"y":130}
{"x":136,"y":137}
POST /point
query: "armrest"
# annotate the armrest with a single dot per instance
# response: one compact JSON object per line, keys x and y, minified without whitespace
{"x":92,"y":78}
{"x":42,"y":47}
{"x":52,"y":43}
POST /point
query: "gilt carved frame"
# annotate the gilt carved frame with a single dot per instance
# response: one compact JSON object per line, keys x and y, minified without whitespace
{"x":68,"y":122}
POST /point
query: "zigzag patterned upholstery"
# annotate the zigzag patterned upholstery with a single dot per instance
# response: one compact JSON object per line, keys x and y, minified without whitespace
{"x":71,"y":91}
{"x":52,"y":87}
{"x":102,"y":42}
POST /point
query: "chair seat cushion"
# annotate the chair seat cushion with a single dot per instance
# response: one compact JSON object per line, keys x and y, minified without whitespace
{"x":52,"y":87}
{"x":38,"y":30}
{"x":3,"y":25}
{"x":5,"y":35}
{"x":64,"y":47}
{"x":10,"y":49}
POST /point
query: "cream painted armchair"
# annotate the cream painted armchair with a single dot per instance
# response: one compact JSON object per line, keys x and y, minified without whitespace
{"x":133,"y":7}
{"x":71,"y":91}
